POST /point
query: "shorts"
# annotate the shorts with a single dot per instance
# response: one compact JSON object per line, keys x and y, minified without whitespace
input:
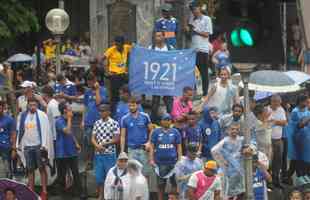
{"x":163,"y":181}
{"x":103,"y":163}
{"x":33,"y":158}
{"x":142,"y":156}
{"x":307,"y":57}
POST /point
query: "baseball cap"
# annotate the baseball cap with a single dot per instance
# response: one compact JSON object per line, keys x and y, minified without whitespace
{"x":211,"y":164}
{"x":30,"y":84}
{"x":122,"y":156}
{"x":166,"y":116}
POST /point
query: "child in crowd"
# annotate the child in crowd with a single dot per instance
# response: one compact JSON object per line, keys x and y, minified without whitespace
{"x":295,"y":195}
{"x":193,"y":132}
{"x":211,"y":133}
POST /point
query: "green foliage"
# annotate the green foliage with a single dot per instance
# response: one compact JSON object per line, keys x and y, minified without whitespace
{"x":16,"y":19}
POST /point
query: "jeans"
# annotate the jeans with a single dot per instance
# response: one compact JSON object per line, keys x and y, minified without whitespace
{"x":284,"y":158}
{"x":87,"y":145}
{"x":277,"y":147}
{"x":63,"y":167}
{"x":4,"y":163}
{"x":202,"y":64}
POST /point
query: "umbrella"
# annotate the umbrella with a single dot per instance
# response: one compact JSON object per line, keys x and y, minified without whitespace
{"x":298,"y":76}
{"x":20,"y":57}
{"x":272,"y":81}
{"x":21,"y":190}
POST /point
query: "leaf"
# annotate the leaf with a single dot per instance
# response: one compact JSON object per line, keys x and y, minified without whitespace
{"x":16,"y":19}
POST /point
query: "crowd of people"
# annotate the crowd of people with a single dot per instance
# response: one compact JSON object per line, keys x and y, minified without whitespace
{"x":196,"y":153}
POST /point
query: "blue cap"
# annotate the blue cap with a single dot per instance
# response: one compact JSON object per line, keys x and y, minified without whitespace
{"x":166,"y":116}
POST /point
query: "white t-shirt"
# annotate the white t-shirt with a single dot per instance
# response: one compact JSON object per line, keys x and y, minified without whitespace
{"x":201,"y":24}
{"x":139,"y":188}
{"x":209,"y":193}
{"x":52,"y":113}
{"x":31,"y":136}
{"x":165,"y":48}
{"x":278,"y":114}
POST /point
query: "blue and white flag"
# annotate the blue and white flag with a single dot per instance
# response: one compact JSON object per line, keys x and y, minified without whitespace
{"x":163,"y":73}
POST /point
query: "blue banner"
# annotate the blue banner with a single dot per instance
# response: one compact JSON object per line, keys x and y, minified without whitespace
{"x":163,"y":73}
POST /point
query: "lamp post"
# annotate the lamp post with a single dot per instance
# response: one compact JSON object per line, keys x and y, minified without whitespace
{"x":245,"y":70}
{"x":57,"y":21}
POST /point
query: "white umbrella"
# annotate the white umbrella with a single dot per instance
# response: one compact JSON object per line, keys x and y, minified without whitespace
{"x":272,"y":81}
{"x":298,"y":76}
{"x":20,"y":57}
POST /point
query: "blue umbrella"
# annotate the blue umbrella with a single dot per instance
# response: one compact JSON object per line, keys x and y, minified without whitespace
{"x":20,"y":57}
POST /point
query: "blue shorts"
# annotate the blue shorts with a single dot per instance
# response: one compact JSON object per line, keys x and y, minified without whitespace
{"x":103,"y":163}
{"x":33,"y":158}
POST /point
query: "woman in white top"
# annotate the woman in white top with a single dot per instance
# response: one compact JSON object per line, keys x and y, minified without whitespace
{"x":138,"y":183}
{"x":223,"y":94}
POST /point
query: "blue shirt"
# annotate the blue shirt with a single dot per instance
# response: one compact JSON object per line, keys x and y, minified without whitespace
{"x":92,"y":113}
{"x":168,"y":25}
{"x":68,"y":89}
{"x":259,"y":185}
{"x":193,"y":135}
{"x":7,"y":126}
{"x":165,"y":143}
{"x":136,"y":129}
{"x":65,"y":145}
{"x":122,"y":109}
{"x":211,"y":135}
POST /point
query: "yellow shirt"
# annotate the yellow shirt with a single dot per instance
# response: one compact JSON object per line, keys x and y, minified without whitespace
{"x":50,"y":51}
{"x":117,"y":61}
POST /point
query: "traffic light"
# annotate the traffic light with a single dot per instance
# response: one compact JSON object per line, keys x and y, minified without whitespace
{"x":241,"y":37}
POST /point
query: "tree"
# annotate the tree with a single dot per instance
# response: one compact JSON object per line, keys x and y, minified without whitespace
{"x":16,"y":18}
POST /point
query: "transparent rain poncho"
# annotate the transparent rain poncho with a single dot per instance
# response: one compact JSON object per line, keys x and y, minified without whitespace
{"x":228,"y":154}
{"x":138,"y":183}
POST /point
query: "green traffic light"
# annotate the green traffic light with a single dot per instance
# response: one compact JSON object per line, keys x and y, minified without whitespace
{"x":246,"y":37}
{"x":235,"y":39}
{"x":241,"y":37}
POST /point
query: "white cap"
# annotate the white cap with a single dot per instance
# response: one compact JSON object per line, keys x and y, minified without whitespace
{"x":26,"y":84}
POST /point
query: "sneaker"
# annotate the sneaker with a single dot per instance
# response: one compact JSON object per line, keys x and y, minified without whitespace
{"x":43,"y":195}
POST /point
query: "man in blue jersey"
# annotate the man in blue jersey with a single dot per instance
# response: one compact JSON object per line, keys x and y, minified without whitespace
{"x":193,"y":132}
{"x":7,"y":141}
{"x":168,"y":25}
{"x":65,"y":89}
{"x":260,"y":176}
{"x":122,"y":107}
{"x":67,"y":148}
{"x":136,"y":128}
{"x":93,"y":97}
{"x":166,"y":150}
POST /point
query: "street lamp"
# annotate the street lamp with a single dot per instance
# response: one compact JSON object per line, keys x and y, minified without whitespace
{"x":57,"y":21}
{"x":245,"y":70}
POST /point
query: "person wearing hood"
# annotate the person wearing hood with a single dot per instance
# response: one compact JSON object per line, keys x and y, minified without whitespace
{"x":211,"y":132}
{"x":138,"y":183}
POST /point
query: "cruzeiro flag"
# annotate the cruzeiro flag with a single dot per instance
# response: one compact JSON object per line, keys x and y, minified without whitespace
{"x":162,"y":73}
